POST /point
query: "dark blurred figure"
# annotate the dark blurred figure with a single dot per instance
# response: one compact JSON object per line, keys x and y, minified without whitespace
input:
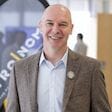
{"x":2,"y":108}
{"x":20,"y":37}
{"x":14,"y":41}
{"x":80,"y":47}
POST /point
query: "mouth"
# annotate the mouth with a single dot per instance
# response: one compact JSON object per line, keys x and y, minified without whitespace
{"x":55,"y":37}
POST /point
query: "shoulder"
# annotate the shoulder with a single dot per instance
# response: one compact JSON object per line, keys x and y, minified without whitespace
{"x":28,"y":60}
{"x":85,"y":61}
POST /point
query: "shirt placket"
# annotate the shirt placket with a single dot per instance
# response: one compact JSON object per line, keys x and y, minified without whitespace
{"x":52,"y":90}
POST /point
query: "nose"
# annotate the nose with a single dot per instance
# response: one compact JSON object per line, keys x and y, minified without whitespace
{"x":55,"y":29}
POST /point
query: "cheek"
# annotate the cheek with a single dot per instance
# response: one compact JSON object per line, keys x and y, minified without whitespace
{"x":46,"y":31}
{"x":49,"y":31}
{"x":67,"y":31}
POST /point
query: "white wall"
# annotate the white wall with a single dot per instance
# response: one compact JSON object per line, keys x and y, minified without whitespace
{"x":85,"y":24}
{"x":84,"y":14}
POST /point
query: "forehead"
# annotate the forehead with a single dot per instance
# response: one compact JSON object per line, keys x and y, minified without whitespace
{"x":57,"y":13}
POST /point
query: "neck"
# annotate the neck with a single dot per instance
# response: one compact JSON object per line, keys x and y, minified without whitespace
{"x":54,"y":55}
{"x":79,"y":40}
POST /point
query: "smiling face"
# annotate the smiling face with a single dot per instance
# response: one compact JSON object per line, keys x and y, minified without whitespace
{"x":56,"y":26}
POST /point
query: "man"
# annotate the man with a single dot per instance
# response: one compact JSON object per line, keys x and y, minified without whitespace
{"x":57,"y":79}
{"x":80,"y":46}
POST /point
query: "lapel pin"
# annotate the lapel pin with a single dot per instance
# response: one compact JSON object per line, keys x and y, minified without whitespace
{"x":70,"y":75}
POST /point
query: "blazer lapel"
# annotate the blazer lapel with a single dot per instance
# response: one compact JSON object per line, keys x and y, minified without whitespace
{"x":71,"y":76}
{"x":32,"y":77}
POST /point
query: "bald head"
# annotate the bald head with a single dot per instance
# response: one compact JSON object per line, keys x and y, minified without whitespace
{"x":57,"y":10}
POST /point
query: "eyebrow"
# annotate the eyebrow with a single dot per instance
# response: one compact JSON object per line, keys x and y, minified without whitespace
{"x":49,"y":20}
{"x":64,"y":22}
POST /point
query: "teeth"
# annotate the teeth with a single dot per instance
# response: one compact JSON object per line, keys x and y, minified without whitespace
{"x":54,"y":38}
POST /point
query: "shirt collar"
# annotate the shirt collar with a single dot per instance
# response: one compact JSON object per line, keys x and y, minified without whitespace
{"x":63,"y":59}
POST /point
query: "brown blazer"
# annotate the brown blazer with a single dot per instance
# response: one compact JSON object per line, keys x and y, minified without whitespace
{"x":85,"y":92}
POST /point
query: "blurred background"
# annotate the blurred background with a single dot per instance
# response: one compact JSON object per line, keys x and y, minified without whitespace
{"x":92,"y":18}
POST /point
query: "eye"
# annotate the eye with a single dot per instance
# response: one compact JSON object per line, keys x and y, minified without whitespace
{"x":49,"y":24}
{"x":63,"y":25}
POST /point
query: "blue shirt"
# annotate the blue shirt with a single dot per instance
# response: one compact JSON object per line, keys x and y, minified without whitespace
{"x":51,"y":82}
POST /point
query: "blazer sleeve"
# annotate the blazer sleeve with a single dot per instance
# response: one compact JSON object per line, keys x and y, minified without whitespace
{"x":99,"y":101}
{"x":12,"y":98}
